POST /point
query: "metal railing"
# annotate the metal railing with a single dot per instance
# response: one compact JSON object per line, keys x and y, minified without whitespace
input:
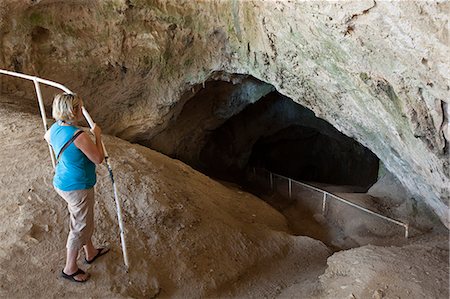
{"x":327,"y":195}
{"x":36,"y":81}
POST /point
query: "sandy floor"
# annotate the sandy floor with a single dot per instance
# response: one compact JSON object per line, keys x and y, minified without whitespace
{"x":188,"y":236}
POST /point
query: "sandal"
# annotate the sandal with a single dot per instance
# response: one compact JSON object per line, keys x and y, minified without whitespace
{"x":100,"y":252}
{"x":71,"y":277}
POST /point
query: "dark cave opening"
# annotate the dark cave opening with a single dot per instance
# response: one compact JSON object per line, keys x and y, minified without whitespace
{"x":235,"y":122}
{"x":278,"y":134}
{"x":305,"y":154}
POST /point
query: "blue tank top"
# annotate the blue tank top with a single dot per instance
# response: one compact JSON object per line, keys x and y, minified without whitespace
{"x":74,"y":171}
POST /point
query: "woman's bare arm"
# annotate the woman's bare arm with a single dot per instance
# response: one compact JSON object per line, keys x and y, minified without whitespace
{"x":94,"y":151}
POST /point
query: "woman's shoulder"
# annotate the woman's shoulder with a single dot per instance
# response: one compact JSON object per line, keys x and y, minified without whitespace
{"x":57,"y":129}
{"x":53,"y":128}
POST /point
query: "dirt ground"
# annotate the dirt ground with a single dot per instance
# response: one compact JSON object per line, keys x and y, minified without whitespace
{"x":188,"y":236}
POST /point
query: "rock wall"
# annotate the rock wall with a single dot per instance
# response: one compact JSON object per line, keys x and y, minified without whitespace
{"x":377,"y":71}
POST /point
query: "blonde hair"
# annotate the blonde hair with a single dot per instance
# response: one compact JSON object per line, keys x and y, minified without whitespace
{"x":65,"y":106}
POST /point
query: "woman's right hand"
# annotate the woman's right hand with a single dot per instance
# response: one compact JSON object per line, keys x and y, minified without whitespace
{"x":96,"y":130}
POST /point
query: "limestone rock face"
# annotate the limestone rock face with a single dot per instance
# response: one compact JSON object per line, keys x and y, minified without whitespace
{"x":364,"y":265}
{"x":377,"y":71}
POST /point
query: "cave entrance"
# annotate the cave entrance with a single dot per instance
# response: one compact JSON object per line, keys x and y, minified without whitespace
{"x":227,"y":126}
{"x":278,"y":134}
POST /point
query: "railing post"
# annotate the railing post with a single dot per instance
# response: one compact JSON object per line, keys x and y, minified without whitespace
{"x":44,"y":117}
{"x":290,"y":187}
{"x":271,"y":180}
{"x":407,"y":231}
{"x":324,"y":203}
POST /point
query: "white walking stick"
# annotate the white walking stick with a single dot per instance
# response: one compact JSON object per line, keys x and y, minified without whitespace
{"x":38,"y":80}
{"x":116,"y":198}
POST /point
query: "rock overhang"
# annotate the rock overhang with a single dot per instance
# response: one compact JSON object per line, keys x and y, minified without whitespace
{"x":377,"y":71}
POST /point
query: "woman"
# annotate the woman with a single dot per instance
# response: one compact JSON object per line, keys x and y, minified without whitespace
{"x":75,"y":178}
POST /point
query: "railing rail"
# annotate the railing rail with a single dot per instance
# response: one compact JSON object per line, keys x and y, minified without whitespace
{"x":36,"y":81}
{"x":326,"y":195}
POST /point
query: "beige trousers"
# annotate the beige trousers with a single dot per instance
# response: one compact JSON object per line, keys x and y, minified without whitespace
{"x":81,"y":208}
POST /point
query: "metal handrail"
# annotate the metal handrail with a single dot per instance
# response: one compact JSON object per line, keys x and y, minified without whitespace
{"x":36,"y":81}
{"x":326,"y":194}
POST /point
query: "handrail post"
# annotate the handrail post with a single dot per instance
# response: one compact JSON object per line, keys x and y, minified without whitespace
{"x":271,"y":180}
{"x":324,"y":203}
{"x":407,"y":231}
{"x":290,"y":187}
{"x":44,"y":117}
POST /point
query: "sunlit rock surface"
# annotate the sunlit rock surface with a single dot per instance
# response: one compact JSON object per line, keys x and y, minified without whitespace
{"x":377,"y":71}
